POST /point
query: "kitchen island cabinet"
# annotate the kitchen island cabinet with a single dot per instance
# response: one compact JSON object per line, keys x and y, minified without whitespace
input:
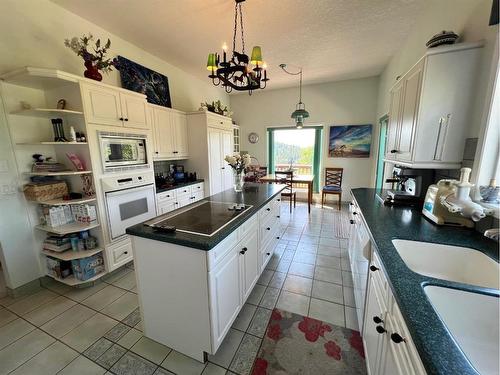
{"x":191,"y":287}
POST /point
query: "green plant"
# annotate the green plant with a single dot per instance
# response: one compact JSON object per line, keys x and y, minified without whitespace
{"x":81,"y":47}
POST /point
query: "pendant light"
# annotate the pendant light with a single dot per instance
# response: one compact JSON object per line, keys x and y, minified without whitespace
{"x":300,"y":113}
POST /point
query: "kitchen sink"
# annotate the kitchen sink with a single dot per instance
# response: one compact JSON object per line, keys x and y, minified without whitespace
{"x":452,"y":263}
{"x":472,"y":320}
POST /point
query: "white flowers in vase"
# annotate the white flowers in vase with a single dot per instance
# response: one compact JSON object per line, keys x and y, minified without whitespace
{"x":238,"y":162}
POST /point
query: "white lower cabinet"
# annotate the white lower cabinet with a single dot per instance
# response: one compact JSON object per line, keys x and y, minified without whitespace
{"x":249,"y":263}
{"x":176,"y":198}
{"x":388,"y":346}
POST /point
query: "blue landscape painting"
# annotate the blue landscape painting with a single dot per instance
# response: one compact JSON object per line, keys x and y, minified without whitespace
{"x":350,"y":141}
{"x":138,"y":78}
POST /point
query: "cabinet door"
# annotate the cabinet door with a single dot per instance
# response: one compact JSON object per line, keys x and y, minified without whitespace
{"x":181,"y":136}
{"x":164,"y":134}
{"x":216,"y":161}
{"x":409,"y":112}
{"x":373,"y":339}
{"x":249,"y":263}
{"x":134,"y":111}
{"x":227,"y":149}
{"x":394,"y":121}
{"x":225,"y":297}
{"x":184,"y":200}
{"x":165,"y":207}
{"x":102,"y":105}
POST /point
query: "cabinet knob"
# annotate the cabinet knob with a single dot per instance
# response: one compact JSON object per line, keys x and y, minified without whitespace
{"x":377,"y":320}
{"x":268,"y":228}
{"x":223,"y":168}
{"x":279,"y":200}
{"x":396,"y":337}
{"x":278,"y":216}
{"x":121,"y":118}
{"x":351,"y":204}
{"x":125,"y":252}
{"x":394,"y":151}
{"x":242,"y":252}
{"x":374,"y":268}
{"x":354,"y":213}
{"x":351,"y":221}
{"x":156,"y":152}
{"x":268,"y":209}
{"x":380,"y":329}
{"x":268,"y":254}
{"x":126,"y":119}
{"x":278,"y":237}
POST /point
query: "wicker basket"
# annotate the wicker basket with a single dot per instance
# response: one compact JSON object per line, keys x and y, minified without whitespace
{"x":45,"y":191}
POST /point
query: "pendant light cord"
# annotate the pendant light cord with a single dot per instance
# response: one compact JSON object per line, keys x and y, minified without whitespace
{"x":283,"y":66}
{"x":237,"y":9}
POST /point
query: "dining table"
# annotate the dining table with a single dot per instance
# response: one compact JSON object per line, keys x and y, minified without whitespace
{"x":307,"y":179}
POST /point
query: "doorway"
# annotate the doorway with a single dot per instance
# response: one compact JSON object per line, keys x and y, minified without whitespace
{"x":296,"y":149}
{"x":383,"y":122}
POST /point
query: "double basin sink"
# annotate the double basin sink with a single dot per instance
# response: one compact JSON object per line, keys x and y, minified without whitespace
{"x":471,"y":318}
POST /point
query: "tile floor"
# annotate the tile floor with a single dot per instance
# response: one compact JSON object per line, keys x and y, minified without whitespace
{"x":97,"y":330}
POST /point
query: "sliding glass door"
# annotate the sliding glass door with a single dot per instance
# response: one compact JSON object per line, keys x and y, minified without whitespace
{"x":295,"y":149}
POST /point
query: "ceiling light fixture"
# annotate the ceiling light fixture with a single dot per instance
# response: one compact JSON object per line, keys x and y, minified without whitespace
{"x":300,"y":113}
{"x":237,"y":73}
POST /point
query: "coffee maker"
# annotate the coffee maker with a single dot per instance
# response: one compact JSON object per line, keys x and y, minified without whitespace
{"x":408,"y":186}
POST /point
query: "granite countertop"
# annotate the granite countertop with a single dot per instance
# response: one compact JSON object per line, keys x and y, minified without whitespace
{"x":256,"y":195}
{"x":177,"y":186}
{"x":435,"y":345}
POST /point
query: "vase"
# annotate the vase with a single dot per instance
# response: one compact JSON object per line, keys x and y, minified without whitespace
{"x":238,"y":181}
{"x":92,"y":72}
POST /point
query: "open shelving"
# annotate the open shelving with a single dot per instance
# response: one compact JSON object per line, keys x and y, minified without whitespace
{"x":61,"y":173}
{"x":63,"y":202}
{"x":72,"y":280}
{"x":67,"y":228}
{"x":70,"y":255}
{"x":46,"y":112}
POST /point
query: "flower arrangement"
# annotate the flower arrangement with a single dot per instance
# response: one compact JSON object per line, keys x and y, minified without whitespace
{"x":95,"y":60}
{"x":237,"y":162}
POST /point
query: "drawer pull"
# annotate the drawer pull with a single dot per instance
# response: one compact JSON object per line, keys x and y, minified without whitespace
{"x":243,"y":251}
{"x":268,"y":228}
{"x":374,"y":268}
{"x":394,"y":151}
{"x":396,"y":337}
{"x":268,"y":254}
{"x":278,"y":216}
{"x":377,"y":320}
{"x":268,"y":209}
{"x":126,"y":119}
{"x":121,"y":118}
{"x":125,"y":252}
{"x":351,"y":221}
{"x":354,"y":213}
{"x":278,"y":237}
{"x":351,"y":204}
{"x":279,"y":200}
{"x":380,"y":329}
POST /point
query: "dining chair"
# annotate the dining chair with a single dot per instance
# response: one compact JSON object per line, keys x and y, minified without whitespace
{"x":333,"y":184}
{"x":286,"y":178}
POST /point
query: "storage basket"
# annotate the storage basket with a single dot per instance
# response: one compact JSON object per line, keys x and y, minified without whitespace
{"x":45,"y":191}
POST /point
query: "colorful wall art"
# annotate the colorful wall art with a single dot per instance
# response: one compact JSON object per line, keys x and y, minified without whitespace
{"x":350,"y":141}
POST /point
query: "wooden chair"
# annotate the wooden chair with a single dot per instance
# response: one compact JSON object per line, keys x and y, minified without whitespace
{"x":286,"y":178}
{"x":333,"y":184}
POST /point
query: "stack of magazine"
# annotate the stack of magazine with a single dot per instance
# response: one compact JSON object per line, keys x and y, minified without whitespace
{"x":57,"y":243}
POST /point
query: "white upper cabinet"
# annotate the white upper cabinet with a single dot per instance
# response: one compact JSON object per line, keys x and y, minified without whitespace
{"x":134,"y":111}
{"x":170,"y":133}
{"x":105,"y":105}
{"x":431,"y":106}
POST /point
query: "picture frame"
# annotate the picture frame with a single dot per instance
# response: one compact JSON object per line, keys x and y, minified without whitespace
{"x":350,"y":141}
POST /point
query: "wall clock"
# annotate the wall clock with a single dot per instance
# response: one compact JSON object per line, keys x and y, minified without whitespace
{"x":253,"y":138}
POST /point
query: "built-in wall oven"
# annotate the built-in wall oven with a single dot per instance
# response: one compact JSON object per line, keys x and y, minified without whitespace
{"x":130,"y":200}
{"x":122,"y":151}
{"x":359,"y":257}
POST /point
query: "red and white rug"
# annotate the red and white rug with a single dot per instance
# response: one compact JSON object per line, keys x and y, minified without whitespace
{"x":296,"y":344}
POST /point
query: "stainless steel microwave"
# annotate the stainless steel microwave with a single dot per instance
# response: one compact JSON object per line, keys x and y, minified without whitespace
{"x":120,"y":150}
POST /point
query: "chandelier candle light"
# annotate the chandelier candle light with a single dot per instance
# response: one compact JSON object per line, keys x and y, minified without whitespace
{"x":239,"y":164}
{"x":300,"y":113}
{"x":238,"y":73}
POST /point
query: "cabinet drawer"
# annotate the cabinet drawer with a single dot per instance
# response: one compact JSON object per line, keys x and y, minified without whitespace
{"x":198,"y":195}
{"x":266,"y":210}
{"x":218,"y":252}
{"x":186,"y":190}
{"x":166,"y":195}
{"x":267,"y":253}
{"x":120,"y":253}
{"x":379,"y":278}
{"x":196,"y":188}
{"x":269,"y":230}
{"x":250,"y":226}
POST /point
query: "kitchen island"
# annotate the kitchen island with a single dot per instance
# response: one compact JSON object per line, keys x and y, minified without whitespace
{"x":191,"y":286}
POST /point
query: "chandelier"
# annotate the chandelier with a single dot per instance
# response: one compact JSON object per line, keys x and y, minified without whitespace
{"x":239,"y":73}
{"x":300,"y":113}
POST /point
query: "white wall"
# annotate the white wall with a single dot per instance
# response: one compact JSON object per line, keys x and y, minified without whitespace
{"x":33,"y":33}
{"x":334,"y":103}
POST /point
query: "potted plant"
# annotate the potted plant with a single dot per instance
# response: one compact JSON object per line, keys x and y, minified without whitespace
{"x":239,"y":164}
{"x":94,"y":61}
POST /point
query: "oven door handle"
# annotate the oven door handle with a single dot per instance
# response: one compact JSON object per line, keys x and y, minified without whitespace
{"x":117,"y":193}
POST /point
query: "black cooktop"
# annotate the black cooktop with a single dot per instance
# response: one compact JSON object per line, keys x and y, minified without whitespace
{"x":205,"y":218}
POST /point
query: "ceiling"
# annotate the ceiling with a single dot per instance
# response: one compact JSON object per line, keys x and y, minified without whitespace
{"x":331,"y":39}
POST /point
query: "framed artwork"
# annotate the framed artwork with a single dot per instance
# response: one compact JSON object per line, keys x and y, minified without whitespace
{"x":350,"y":141}
{"x":138,"y":78}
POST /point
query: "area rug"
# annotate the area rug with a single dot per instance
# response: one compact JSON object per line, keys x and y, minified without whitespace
{"x":296,"y":344}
